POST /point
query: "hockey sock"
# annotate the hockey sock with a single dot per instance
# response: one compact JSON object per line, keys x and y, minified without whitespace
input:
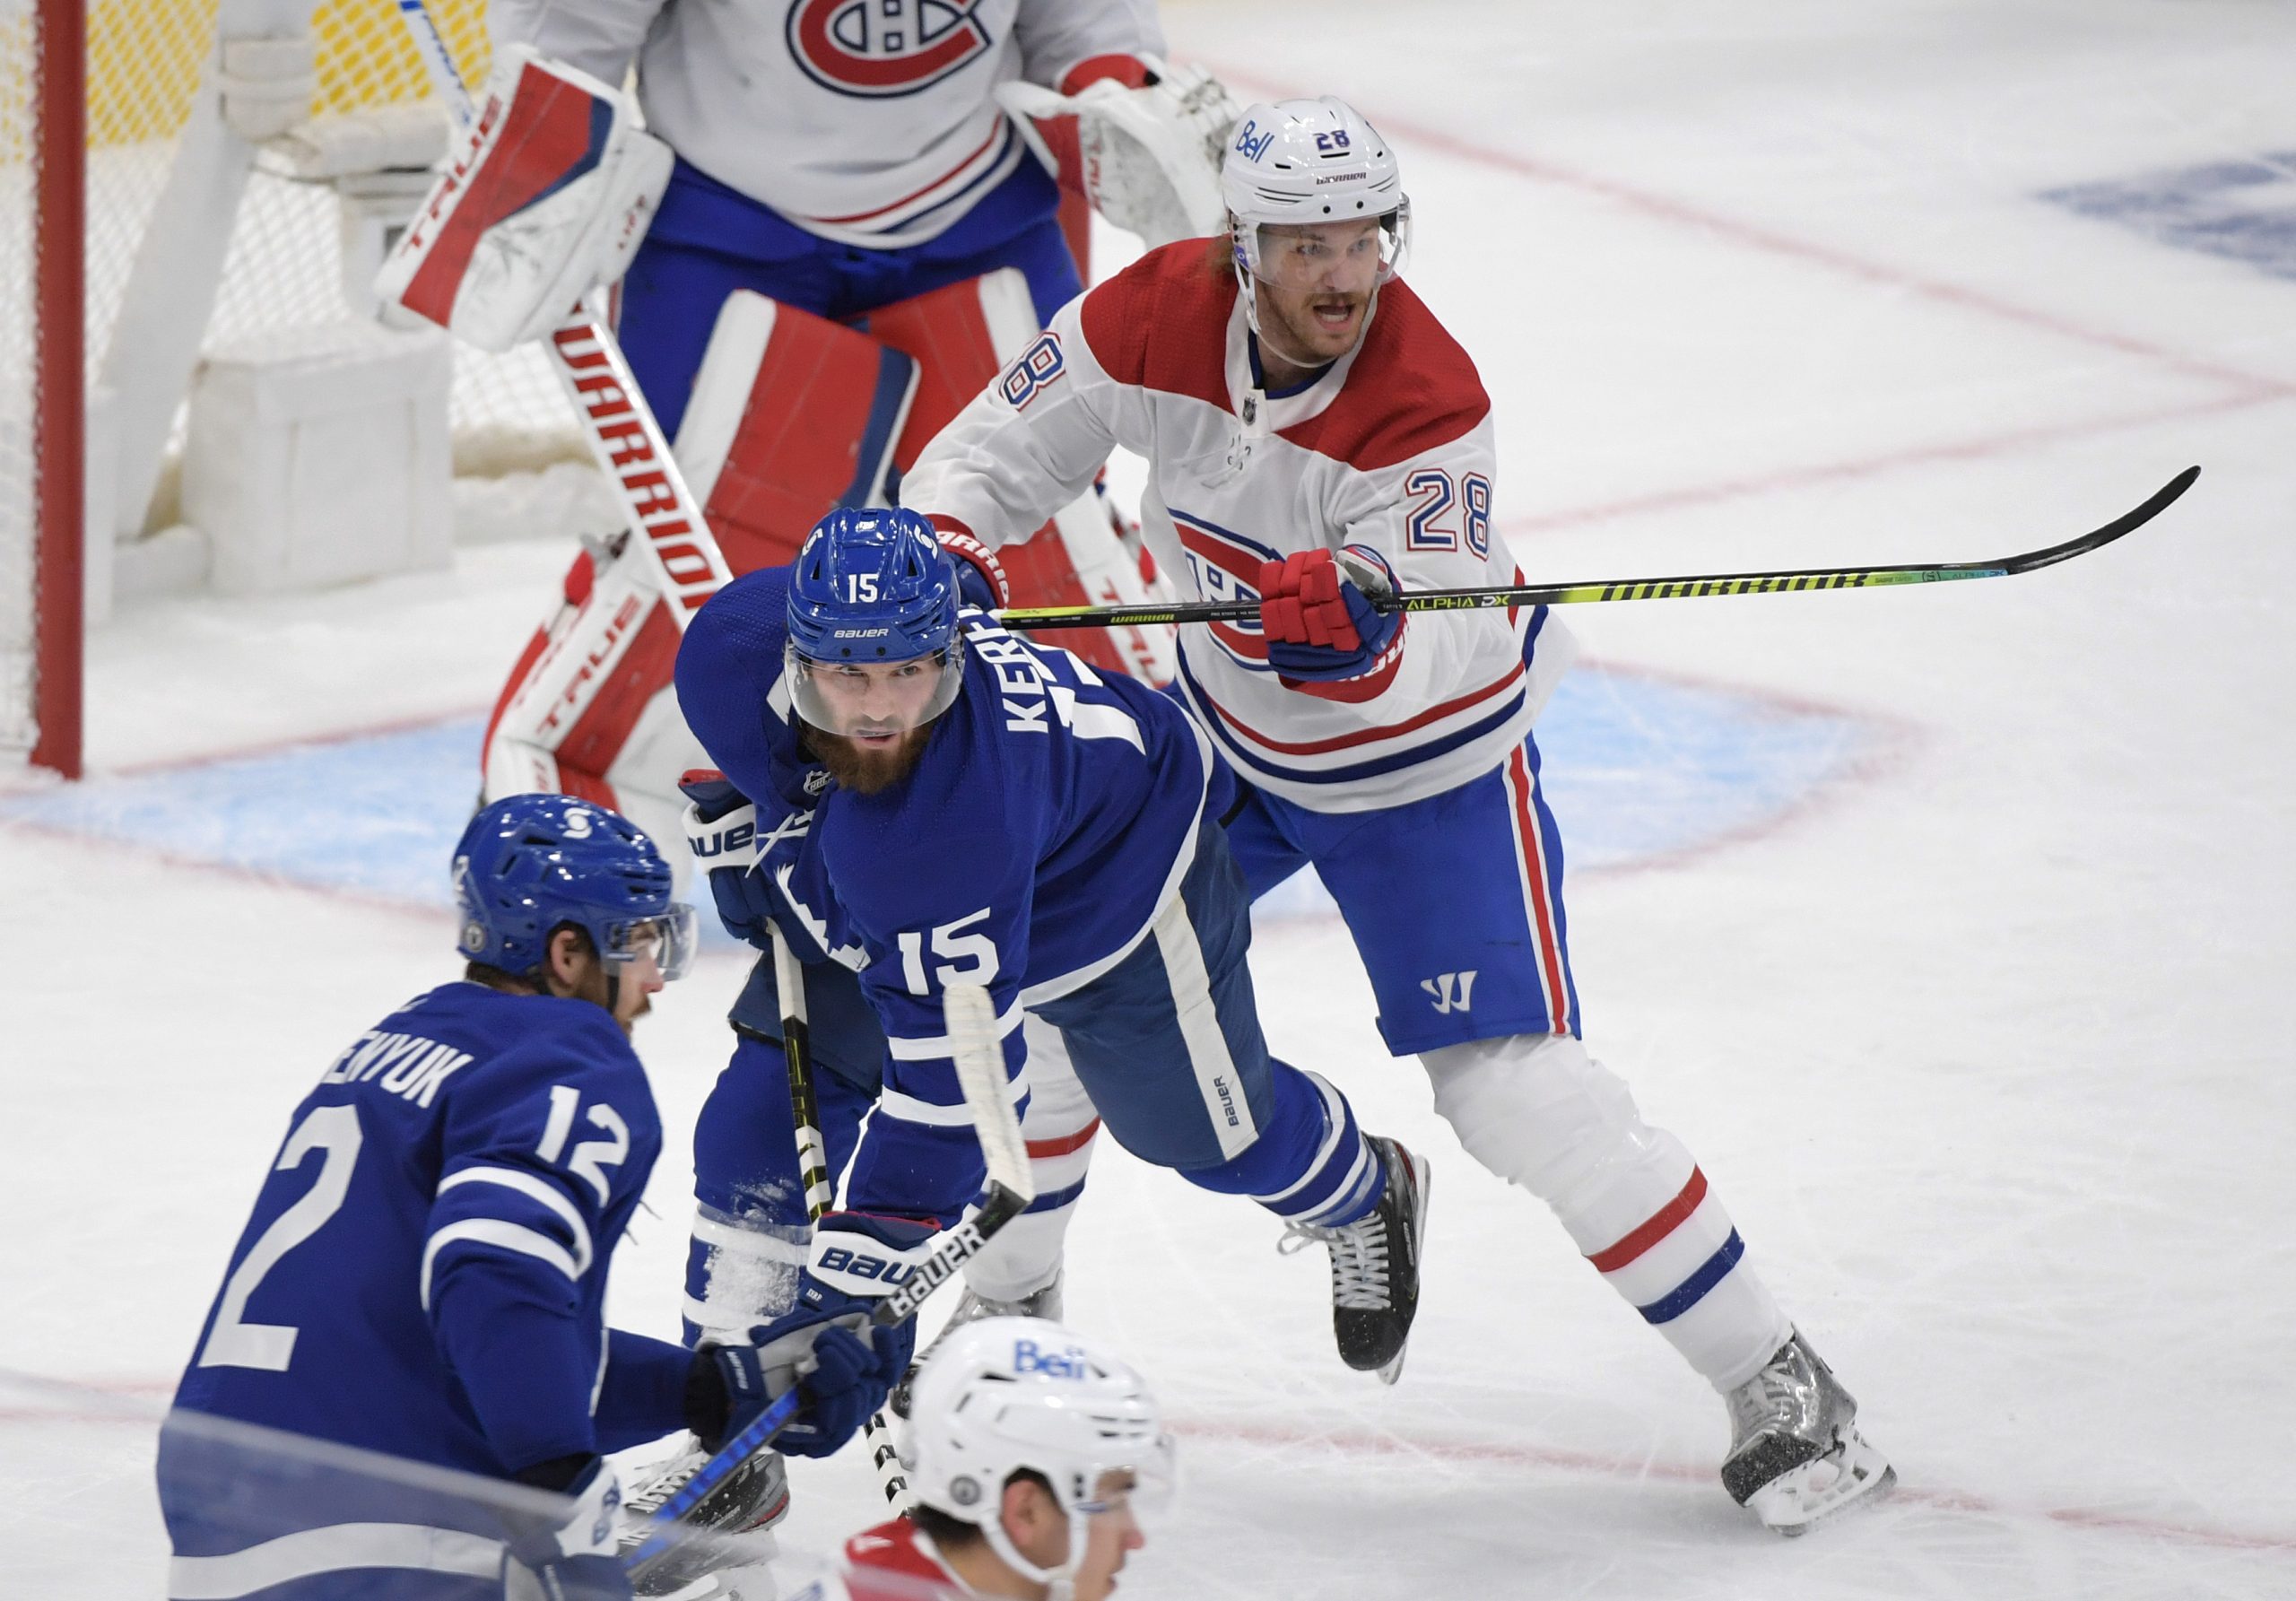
{"x":1538,"y":1111}
{"x":1310,"y":1164}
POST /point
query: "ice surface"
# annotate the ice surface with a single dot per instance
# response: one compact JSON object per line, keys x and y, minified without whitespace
{"x":1977,"y":1024}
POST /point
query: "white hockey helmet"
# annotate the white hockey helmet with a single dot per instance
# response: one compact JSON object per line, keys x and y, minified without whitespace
{"x":1306,"y":161}
{"x":1004,"y":1393}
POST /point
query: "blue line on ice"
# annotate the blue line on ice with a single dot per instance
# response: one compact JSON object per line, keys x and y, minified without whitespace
{"x":1636,"y":768}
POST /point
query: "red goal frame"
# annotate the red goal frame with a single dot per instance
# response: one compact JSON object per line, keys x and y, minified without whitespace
{"x":59,"y":120}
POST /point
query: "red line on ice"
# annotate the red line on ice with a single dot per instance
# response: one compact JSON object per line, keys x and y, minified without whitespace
{"x":1628,"y":1467}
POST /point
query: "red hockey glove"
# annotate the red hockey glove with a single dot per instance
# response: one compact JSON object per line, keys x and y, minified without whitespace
{"x":1318,"y":622}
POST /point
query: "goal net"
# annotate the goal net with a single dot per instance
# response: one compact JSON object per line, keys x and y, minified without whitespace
{"x":165,"y":277}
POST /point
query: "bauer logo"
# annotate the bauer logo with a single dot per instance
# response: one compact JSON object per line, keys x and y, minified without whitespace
{"x":853,"y":1264}
{"x":1251,"y":143}
{"x":881,"y":48}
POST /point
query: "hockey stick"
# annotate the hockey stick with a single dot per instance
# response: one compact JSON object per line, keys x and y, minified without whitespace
{"x":980,"y":1073}
{"x":618,"y":425}
{"x":1551,"y":594}
{"x":812,"y":1171}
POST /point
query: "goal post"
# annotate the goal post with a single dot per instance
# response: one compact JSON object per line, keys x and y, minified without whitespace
{"x":182,"y":179}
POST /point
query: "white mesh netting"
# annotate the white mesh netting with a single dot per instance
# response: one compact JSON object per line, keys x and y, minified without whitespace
{"x":284,"y":267}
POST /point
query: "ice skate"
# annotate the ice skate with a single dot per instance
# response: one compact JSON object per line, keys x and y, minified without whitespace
{"x":754,"y":1497}
{"x":1039,"y":1303}
{"x":1375,"y":1264}
{"x":1796,"y":1455}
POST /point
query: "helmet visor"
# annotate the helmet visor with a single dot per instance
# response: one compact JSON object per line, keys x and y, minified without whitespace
{"x":1146,"y":1486}
{"x":1353,"y":255}
{"x":873,"y":698}
{"x":671,"y":939}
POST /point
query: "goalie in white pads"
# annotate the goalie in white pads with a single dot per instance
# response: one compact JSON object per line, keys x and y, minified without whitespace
{"x":844,"y":235}
{"x":1315,"y":437}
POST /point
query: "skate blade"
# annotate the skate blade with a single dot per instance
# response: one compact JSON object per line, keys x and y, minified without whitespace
{"x":1853,"y":1473}
{"x":1423,"y":1170}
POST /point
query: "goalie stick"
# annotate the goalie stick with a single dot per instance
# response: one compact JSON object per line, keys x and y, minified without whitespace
{"x":812,"y":1172}
{"x":1550,"y":594}
{"x":980,"y":1073}
{"x":617,"y":424}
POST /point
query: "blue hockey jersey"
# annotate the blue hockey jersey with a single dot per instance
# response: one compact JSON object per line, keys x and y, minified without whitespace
{"x":1052,"y":813}
{"x":424,"y":1272}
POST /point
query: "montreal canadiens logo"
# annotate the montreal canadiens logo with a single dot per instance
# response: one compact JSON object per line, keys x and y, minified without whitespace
{"x":885,"y":47}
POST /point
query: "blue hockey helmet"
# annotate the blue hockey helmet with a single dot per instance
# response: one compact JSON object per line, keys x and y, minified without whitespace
{"x":874,"y":646}
{"x":529,"y":863}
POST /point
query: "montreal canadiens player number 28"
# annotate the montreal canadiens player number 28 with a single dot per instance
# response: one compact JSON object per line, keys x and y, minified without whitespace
{"x":1316,"y":437}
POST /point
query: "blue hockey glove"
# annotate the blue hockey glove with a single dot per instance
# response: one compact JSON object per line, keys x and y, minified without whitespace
{"x":570,"y":1557}
{"x":722,"y":830}
{"x":1318,"y":618}
{"x":828,"y":1346}
{"x":980,"y":577}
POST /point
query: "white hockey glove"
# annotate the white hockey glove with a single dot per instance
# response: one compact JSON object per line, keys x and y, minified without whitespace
{"x":568,"y":1556}
{"x":547,"y":200}
{"x":1151,"y":156}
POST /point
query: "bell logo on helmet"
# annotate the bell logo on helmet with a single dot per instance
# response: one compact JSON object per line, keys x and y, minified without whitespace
{"x":881,"y":48}
{"x":1028,"y":1357}
{"x":1250,"y":143}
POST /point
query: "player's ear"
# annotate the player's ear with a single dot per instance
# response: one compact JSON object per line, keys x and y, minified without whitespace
{"x":570,"y":958}
{"x":1029,"y":1513}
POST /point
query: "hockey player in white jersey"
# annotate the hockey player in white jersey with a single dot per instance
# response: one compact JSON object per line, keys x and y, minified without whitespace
{"x":1314,"y":438}
{"x":1037,"y":1456}
{"x":424,"y":1272}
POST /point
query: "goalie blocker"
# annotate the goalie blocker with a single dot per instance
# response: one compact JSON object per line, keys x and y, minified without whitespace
{"x":791,"y":416}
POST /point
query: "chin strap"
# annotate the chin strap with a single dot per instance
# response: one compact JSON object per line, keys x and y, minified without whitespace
{"x":1061,"y":1577}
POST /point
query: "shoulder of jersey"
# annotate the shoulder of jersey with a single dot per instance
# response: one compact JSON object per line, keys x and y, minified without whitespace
{"x":1162,"y":322}
{"x":1413,"y":389}
{"x":748,"y":620}
{"x":554,"y":1025}
{"x":891,"y":1548}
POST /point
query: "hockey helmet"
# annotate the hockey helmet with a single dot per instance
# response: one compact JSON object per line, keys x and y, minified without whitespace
{"x":1003,"y":1393}
{"x":872,"y":644}
{"x":1295,"y":162}
{"x":529,"y":863}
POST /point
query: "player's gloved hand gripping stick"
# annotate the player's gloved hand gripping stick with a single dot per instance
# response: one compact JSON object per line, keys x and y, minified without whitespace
{"x":1550,"y":594}
{"x":980,"y":1072}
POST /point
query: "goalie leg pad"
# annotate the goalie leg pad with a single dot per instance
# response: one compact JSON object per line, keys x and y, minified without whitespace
{"x":962,"y":335}
{"x":1537,"y":1110}
{"x":791,"y":416}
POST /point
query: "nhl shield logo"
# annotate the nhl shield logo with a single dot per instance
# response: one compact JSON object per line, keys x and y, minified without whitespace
{"x":880,"y":48}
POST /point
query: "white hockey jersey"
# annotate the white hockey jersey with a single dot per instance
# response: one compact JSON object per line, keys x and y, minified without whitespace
{"x":866,"y":121}
{"x":1390,"y":448}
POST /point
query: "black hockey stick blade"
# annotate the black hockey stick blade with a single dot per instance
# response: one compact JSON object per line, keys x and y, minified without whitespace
{"x":1793,"y":581}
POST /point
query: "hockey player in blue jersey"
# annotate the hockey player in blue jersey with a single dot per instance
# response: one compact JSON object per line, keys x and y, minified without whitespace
{"x":994,"y":811}
{"x":424,"y":1272}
